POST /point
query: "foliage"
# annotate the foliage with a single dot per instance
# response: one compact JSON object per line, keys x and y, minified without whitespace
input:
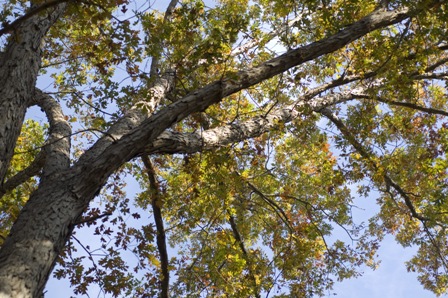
{"x":256,"y":216}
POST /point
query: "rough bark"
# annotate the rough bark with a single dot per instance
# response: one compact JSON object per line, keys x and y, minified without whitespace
{"x":20,"y":272}
{"x":19,"y":66}
{"x":170,"y":142}
{"x":45,"y":223}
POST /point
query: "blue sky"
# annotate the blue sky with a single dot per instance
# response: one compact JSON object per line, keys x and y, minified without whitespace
{"x":390,"y":280}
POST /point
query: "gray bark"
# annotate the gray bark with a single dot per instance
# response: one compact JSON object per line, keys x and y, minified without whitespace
{"x":45,"y":223}
{"x":19,"y":66}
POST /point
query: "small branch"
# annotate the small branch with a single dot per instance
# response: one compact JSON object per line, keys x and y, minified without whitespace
{"x":407,"y":199}
{"x":32,"y":170}
{"x":277,"y":209}
{"x":92,"y":218}
{"x":269,"y":36}
{"x":167,"y":18}
{"x":240,"y":242}
{"x":156,"y":202}
{"x":436,"y":245}
{"x":95,"y":267}
{"x":413,"y":106}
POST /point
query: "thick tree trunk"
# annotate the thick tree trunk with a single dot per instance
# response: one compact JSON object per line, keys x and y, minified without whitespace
{"x":19,"y":66}
{"x":29,"y":253}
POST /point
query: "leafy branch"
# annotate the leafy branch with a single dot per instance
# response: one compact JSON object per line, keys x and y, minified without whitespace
{"x":368,"y":155}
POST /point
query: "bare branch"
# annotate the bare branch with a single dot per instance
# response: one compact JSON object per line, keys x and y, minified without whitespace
{"x":413,"y":106}
{"x":92,"y":218}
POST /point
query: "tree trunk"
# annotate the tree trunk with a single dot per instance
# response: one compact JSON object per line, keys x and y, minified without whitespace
{"x":21,"y":273}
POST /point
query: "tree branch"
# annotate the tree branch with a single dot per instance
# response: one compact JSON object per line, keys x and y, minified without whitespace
{"x":32,"y":170}
{"x":57,"y":146}
{"x":170,"y":142}
{"x":249,"y":263}
{"x":167,"y":18}
{"x":284,"y":27}
{"x":57,"y":150}
{"x":413,"y":106}
{"x":156,"y":202}
{"x":277,"y":209}
{"x":92,"y":218}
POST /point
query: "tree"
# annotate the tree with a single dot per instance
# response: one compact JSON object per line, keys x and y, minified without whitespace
{"x":245,"y":123}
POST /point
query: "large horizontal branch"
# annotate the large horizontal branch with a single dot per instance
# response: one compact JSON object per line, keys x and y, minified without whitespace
{"x":170,"y":142}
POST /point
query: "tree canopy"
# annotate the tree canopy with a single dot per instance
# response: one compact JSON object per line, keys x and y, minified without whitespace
{"x":252,"y":129}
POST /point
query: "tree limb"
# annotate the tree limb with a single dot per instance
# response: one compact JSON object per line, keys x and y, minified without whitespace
{"x":170,"y":142}
{"x":156,"y":202}
{"x":249,"y":263}
{"x":167,"y":18}
{"x":57,"y":151}
{"x":32,"y":170}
